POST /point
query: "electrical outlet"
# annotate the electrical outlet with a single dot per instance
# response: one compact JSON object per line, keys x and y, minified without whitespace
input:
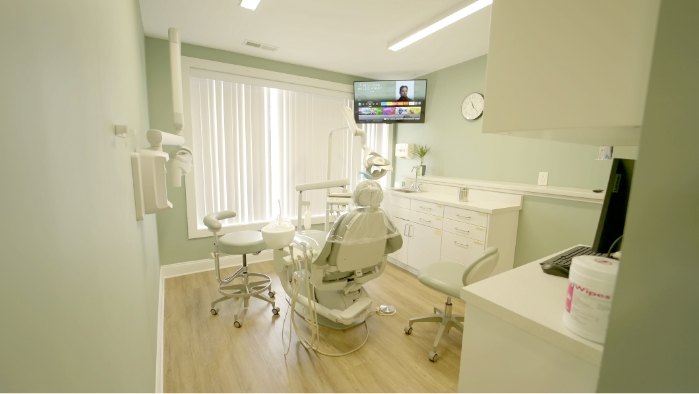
{"x":543,"y":179}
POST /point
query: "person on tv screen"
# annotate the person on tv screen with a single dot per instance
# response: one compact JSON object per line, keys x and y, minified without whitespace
{"x":403,"y":94}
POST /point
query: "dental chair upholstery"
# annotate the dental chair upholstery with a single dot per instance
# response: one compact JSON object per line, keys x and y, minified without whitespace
{"x":449,"y":277}
{"x":352,"y":253}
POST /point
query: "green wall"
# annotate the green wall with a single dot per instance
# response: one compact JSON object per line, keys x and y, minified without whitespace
{"x":652,"y":342}
{"x":79,"y":278}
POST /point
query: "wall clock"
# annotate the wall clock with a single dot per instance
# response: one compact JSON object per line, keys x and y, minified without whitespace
{"x":472,"y":107}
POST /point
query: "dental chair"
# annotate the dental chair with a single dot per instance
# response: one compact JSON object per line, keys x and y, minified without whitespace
{"x":324,"y":273}
{"x":242,"y":285}
{"x":449,"y":277}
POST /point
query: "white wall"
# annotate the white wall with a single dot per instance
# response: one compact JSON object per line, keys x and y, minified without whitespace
{"x":79,"y":275}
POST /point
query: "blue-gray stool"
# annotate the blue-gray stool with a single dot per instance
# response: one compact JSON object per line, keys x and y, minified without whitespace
{"x":242,"y":284}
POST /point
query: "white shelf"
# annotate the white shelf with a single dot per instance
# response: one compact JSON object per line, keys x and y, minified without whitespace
{"x":565,"y":193}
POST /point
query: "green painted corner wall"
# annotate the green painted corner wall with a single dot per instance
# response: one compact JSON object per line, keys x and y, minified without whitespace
{"x":80,"y":276}
{"x":459,"y":149}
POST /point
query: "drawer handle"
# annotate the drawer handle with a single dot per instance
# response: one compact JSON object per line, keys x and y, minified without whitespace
{"x":462,"y":230}
{"x":425,"y":208}
{"x":463,"y":217}
{"x":425,"y":220}
{"x":459,"y":244}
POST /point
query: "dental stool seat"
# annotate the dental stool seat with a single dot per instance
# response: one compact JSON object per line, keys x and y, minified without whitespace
{"x":448,"y":278}
{"x":242,"y":242}
{"x":242,"y":284}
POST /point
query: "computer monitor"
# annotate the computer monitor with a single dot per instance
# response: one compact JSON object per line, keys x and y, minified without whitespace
{"x":616,"y":199}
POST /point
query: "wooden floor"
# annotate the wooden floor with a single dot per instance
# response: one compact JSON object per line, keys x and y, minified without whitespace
{"x":206,"y":353}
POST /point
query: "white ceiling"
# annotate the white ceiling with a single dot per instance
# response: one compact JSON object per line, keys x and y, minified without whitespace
{"x":345,"y":36}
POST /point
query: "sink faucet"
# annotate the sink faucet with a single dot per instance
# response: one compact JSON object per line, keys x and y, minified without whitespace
{"x":415,"y":186}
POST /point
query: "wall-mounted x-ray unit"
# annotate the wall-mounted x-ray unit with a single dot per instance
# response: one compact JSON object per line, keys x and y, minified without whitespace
{"x":150,"y":165}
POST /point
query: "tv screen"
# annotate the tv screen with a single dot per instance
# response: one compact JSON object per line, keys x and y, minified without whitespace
{"x":616,"y":199}
{"x":390,"y":101}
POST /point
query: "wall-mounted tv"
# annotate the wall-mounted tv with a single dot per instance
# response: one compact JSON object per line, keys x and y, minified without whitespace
{"x":390,"y":101}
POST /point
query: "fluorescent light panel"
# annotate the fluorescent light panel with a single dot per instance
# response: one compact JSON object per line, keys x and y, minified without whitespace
{"x":249,"y":4}
{"x":441,"y":24}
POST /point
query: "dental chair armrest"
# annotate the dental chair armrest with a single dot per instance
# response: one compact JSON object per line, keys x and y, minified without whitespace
{"x":394,"y":243}
{"x":212,"y":222}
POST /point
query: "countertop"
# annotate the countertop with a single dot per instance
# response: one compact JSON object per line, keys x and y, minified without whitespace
{"x":489,"y":206}
{"x":534,"y":302}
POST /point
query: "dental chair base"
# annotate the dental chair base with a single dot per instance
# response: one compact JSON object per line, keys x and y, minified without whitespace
{"x":336,"y":304}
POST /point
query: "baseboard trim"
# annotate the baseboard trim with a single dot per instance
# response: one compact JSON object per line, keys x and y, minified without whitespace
{"x":187,"y":268}
{"x":159,"y":339}
{"x":196,"y":266}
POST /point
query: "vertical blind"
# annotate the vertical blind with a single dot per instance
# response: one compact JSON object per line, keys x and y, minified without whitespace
{"x":254,"y":140}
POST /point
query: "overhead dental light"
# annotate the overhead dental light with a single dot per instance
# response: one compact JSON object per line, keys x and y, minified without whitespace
{"x":374,"y":165}
{"x":440,"y":24}
{"x":250,"y":4}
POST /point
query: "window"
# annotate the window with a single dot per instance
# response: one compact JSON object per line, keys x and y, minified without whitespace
{"x":255,"y":135}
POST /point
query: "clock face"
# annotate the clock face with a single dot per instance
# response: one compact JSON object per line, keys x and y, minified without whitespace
{"x":472,"y":107}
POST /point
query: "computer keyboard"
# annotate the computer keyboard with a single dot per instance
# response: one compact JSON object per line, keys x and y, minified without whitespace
{"x":559,"y":264}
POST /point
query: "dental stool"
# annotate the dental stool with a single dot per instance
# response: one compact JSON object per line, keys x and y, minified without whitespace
{"x":449,"y":277}
{"x":242,"y":284}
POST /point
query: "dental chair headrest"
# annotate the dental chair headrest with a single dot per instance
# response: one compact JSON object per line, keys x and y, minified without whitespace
{"x":368,"y":193}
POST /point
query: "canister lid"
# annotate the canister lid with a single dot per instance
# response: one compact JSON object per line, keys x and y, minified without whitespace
{"x":595,"y":265}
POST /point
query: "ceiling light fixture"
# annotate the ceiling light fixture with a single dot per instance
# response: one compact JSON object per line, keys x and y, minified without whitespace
{"x":249,"y":4}
{"x":440,"y":24}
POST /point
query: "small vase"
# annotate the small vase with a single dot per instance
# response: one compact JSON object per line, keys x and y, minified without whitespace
{"x":422,"y":169}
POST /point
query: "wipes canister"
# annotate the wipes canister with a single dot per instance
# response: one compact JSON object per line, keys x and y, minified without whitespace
{"x":589,"y":298}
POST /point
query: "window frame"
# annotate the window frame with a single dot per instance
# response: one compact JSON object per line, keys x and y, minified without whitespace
{"x":274,"y":79}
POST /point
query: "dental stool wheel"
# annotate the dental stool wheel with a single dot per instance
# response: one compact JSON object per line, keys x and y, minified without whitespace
{"x":214,"y":311}
{"x":408,"y":330}
{"x":433,"y":356}
{"x":275,"y":311}
{"x":237,"y":324}
{"x":271,"y":294}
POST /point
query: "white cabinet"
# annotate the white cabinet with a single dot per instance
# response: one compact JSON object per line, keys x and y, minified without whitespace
{"x":514,"y":339}
{"x":420,"y":224}
{"x":465,"y":234}
{"x":574,"y":71}
{"x":438,"y":227}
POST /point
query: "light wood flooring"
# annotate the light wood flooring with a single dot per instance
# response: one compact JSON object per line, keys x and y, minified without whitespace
{"x":206,"y":353}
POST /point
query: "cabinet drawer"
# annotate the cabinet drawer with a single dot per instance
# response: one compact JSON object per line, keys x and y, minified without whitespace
{"x":460,"y":249}
{"x":400,"y":212}
{"x":427,"y":207}
{"x":400,"y":201}
{"x":426,"y":220}
{"x":467,"y":216}
{"x":465,"y":229}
